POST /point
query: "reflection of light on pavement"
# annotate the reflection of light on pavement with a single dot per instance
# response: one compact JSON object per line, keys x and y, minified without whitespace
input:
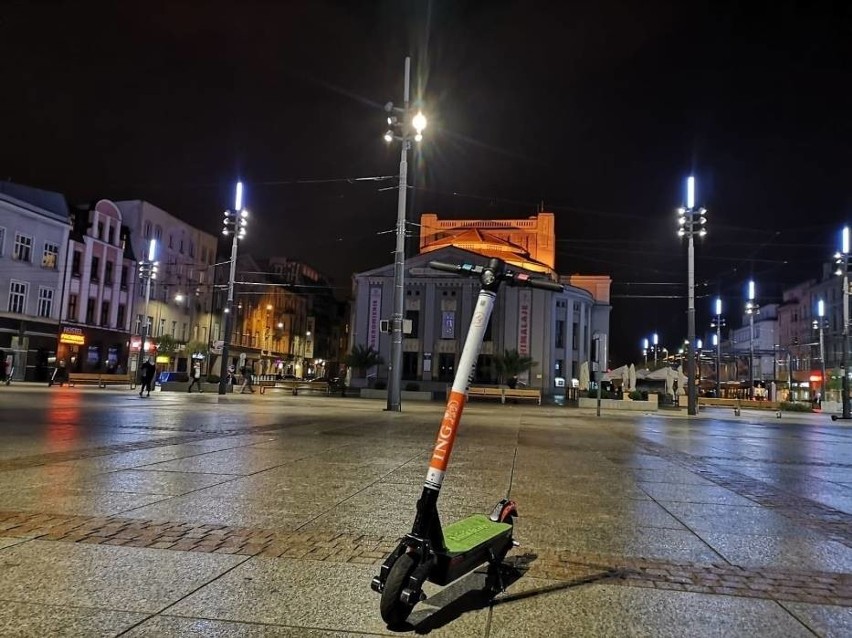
{"x":63,"y":421}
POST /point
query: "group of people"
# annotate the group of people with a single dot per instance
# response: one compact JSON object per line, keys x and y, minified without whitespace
{"x":147,"y":372}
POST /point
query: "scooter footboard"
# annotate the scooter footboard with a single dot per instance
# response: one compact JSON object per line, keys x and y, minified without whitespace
{"x":450,"y":566}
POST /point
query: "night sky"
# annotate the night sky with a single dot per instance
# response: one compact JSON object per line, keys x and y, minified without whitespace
{"x":599,"y":110}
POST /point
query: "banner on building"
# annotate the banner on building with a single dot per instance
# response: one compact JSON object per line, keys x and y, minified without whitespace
{"x":373,"y":318}
{"x":524,"y":309}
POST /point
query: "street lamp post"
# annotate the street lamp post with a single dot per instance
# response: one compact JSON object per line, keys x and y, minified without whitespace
{"x":821,"y":321}
{"x":691,"y":222}
{"x":718,"y":322}
{"x":645,"y":350}
{"x":656,"y":339}
{"x":752,"y":309}
{"x":404,"y":125}
{"x":234,"y":223}
{"x":842,"y":261}
{"x":147,"y":272}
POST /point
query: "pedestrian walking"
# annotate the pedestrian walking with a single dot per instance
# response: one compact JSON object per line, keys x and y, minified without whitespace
{"x":247,"y":383}
{"x":195,"y":378}
{"x":146,"y":373}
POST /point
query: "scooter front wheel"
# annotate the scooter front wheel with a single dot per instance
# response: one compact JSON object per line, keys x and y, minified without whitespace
{"x":393,"y":609}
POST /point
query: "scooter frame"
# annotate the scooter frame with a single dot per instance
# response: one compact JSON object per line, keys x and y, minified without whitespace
{"x":425,"y":544}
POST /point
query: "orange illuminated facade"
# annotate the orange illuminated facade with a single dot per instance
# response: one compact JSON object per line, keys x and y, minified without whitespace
{"x":525,"y":243}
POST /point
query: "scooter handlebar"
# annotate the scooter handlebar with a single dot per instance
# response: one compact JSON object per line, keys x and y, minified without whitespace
{"x":512,"y":278}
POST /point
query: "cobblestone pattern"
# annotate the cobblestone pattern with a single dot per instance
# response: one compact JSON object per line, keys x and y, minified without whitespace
{"x":830,"y":522}
{"x":795,"y":586}
{"x":75,"y":455}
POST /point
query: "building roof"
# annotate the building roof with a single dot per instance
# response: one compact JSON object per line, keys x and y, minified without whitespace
{"x":35,"y":199}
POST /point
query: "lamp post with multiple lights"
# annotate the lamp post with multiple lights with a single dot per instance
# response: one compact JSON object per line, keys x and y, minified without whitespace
{"x":147,"y":272}
{"x":718,"y":322}
{"x":841,"y":259}
{"x":234,"y":224}
{"x":404,"y":125}
{"x":819,"y":324}
{"x":691,"y":221}
{"x":752,"y":309}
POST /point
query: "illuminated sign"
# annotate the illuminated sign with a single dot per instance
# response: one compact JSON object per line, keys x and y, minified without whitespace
{"x":72,"y":336}
{"x":163,"y":358}
{"x":815,"y":377}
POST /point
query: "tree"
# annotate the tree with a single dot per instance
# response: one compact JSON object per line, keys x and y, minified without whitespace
{"x":510,"y":364}
{"x":166,"y":345}
{"x":196,"y":347}
{"x":363,"y":358}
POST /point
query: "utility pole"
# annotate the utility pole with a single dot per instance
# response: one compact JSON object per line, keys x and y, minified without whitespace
{"x":752,"y":309}
{"x":717,"y":323}
{"x":403,"y":126}
{"x":842,"y":261}
{"x":147,"y":272}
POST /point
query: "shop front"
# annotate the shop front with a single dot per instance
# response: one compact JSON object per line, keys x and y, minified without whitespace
{"x":86,"y":349}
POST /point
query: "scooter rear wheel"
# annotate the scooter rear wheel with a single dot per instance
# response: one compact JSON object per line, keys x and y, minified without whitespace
{"x":394,"y":611}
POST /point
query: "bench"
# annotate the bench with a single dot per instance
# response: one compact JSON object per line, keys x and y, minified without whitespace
{"x":102,"y":380}
{"x":482,"y":392}
{"x":522,"y":393}
{"x":294,"y":386}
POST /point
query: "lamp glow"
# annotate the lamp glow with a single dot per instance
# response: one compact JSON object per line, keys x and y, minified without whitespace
{"x":645,"y":343}
{"x":656,"y":339}
{"x":751,"y":290}
{"x":690,"y":192}
{"x":238,"y":198}
{"x":821,"y":308}
{"x":718,"y":306}
{"x":845,"y":240}
{"x":152,"y":249}
{"x":419,"y":122}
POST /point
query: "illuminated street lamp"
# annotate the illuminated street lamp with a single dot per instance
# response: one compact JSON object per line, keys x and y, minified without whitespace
{"x":147,"y":272}
{"x":645,"y":350}
{"x":656,"y":339}
{"x":752,"y":309}
{"x":819,"y":324}
{"x":234,"y":224}
{"x":718,"y":322}
{"x":691,"y":222}
{"x":842,"y":262}
{"x":404,"y":125}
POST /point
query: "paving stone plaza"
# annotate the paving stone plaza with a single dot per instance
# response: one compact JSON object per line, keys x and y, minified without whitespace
{"x":200,"y":515}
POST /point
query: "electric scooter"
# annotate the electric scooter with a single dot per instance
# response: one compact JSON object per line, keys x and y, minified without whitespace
{"x":430,"y":552}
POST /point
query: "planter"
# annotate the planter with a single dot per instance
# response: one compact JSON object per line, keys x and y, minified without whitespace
{"x":405,"y":395}
{"x":176,"y":386}
{"x":625,"y":406}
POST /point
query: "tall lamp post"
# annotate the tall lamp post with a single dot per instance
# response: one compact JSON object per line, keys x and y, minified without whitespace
{"x":691,"y":222}
{"x":718,"y":322}
{"x":234,"y":224}
{"x":842,"y":260}
{"x":645,"y":350}
{"x":403,"y":125}
{"x":752,"y":309}
{"x":656,"y":339}
{"x":820,"y":325}
{"x":147,"y":272}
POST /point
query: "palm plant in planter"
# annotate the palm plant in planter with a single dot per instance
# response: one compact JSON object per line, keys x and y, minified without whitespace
{"x":511,"y":364}
{"x":362,"y":358}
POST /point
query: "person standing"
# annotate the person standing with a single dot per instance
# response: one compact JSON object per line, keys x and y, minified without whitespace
{"x":195,"y":377}
{"x":146,"y":371}
{"x":246,"y":380}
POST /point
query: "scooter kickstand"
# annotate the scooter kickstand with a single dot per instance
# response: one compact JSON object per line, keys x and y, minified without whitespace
{"x":497,"y":566}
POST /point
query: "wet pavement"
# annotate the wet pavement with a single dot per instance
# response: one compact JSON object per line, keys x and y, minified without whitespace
{"x":267,"y":515}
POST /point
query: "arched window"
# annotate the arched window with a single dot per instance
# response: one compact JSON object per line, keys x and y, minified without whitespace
{"x":158,"y":233}
{"x":146,"y":233}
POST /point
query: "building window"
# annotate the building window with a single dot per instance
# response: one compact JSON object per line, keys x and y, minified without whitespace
{"x":76,"y":260}
{"x":180,"y":247}
{"x":162,"y":327}
{"x":414,"y":317}
{"x":105,"y":313}
{"x":191,"y":250}
{"x":108,"y":273}
{"x":50,"y":255}
{"x":123,"y":281}
{"x":158,"y":233}
{"x":72,"y":308}
{"x":575,"y":329}
{"x":146,"y":232}
{"x":2,"y":242}
{"x":111,"y":236}
{"x":100,"y":230}
{"x":23,"y":248}
{"x":45,"y":301}
{"x":171,"y":241}
{"x":96,"y":267}
{"x":139,"y":324}
{"x":560,"y":334}
{"x":119,"y":320}
{"x":90,"y":310}
{"x":17,"y":297}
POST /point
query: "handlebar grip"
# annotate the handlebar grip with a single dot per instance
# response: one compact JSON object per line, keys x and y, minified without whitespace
{"x":440,"y":265}
{"x":521,"y":279}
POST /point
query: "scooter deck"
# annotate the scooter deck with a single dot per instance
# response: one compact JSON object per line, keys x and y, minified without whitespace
{"x":468,"y":533}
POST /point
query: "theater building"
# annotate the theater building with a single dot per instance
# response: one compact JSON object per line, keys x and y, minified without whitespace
{"x":555,"y":329}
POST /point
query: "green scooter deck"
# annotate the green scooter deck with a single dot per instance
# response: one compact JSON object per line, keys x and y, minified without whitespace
{"x":464,"y":535}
